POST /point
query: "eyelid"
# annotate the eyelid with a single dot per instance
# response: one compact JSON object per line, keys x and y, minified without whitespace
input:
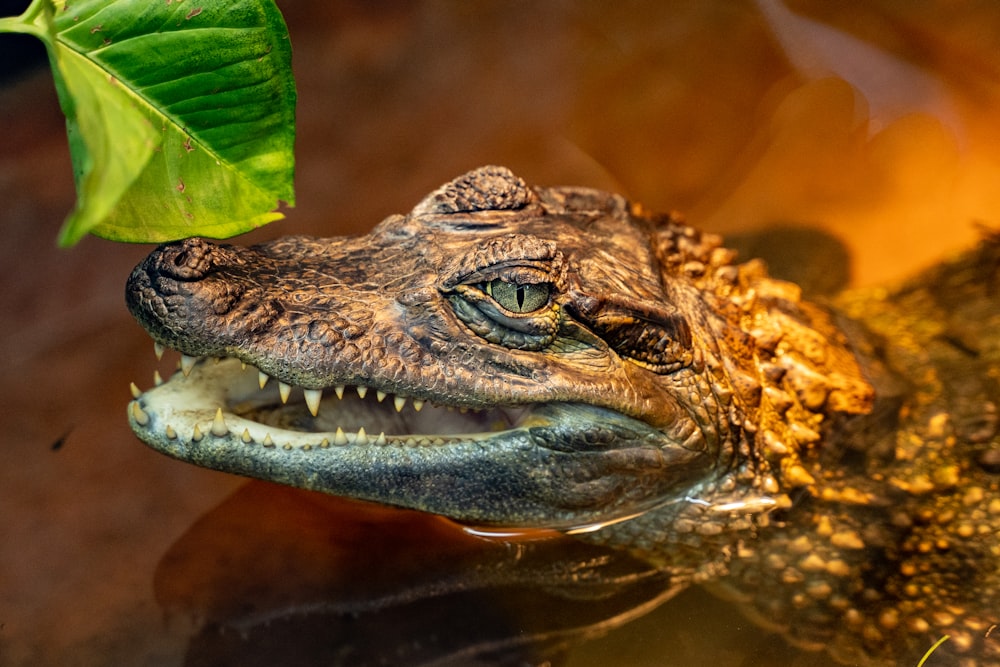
{"x":512,"y":273}
{"x":481,"y":262}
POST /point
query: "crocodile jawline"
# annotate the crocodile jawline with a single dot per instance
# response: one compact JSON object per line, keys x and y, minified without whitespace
{"x":509,"y":459}
{"x":223,"y":398}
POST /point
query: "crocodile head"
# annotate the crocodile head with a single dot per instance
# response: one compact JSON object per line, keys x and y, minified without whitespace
{"x":502,"y":355}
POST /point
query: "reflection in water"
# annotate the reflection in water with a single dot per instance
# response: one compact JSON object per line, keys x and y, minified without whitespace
{"x":280,"y":576}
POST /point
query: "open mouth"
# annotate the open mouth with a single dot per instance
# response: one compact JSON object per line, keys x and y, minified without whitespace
{"x":572,"y":467}
{"x":228,"y":398}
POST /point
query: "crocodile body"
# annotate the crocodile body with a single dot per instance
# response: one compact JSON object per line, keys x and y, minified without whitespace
{"x":523,"y":357}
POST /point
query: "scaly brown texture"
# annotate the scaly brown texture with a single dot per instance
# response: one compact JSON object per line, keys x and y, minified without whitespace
{"x":622,"y":378}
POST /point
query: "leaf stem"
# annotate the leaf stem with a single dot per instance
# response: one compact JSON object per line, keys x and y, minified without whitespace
{"x":26,"y":22}
{"x":931,"y":650}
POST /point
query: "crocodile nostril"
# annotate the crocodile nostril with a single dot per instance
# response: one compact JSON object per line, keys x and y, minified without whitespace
{"x":190,"y":259}
{"x":181,"y":259}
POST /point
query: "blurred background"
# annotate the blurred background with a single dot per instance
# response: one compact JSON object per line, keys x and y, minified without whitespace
{"x":876,"y":124}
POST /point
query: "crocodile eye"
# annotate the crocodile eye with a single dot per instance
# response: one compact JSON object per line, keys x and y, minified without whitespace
{"x":518,"y":315}
{"x":518,"y":297}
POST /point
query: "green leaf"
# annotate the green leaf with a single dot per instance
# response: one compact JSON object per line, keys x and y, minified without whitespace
{"x":180,"y":113}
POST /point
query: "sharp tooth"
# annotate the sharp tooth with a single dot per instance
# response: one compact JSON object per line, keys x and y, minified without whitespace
{"x":284,"y":390}
{"x":170,"y":432}
{"x":140,"y":416}
{"x":418,"y":405}
{"x":246,"y":437}
{"x":158,"y":349}
{"x":136,"y":393}
{"x":339,"y":391}
{"x":381,"y":439}
{"x":243,"y":365}
{"x":157,"y":378}
{"x":339,"y":438}
{"x":313,"y":397}
{"x":380,"y":396}
{"x":362,"y":437}
{"x":219,"y":427}
{"x":196,"y":435}
{"x":324,"y":443}
{"x":362,"y":390}
{"x":187,"y":363}
{"x":267,"y":442}
{"x":400,"y":403}
{"x":262,"y":378}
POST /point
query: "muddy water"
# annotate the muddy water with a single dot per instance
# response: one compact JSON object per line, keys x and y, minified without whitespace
{"x":874,"y":125}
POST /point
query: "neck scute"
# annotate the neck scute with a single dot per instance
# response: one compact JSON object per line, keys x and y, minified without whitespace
{"x":792,"y":370}
{"x":782,"y":373}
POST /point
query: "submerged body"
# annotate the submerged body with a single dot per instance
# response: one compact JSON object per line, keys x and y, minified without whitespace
{"x":559,"y":358}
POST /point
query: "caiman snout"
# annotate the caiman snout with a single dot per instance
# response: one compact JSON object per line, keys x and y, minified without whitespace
{"x":190,"y":259}
{"x":191,"y":290}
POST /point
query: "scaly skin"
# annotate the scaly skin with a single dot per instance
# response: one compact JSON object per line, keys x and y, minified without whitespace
{"x":833,"y":470}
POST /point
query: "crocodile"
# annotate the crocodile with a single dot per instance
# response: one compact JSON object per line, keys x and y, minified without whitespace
{"x":560,"y":358}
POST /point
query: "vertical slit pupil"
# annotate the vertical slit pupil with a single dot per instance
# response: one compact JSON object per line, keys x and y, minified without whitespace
{"x":518,"y":297}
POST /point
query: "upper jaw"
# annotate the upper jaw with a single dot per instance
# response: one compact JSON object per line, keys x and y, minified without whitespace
{"x":228,"y":397}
